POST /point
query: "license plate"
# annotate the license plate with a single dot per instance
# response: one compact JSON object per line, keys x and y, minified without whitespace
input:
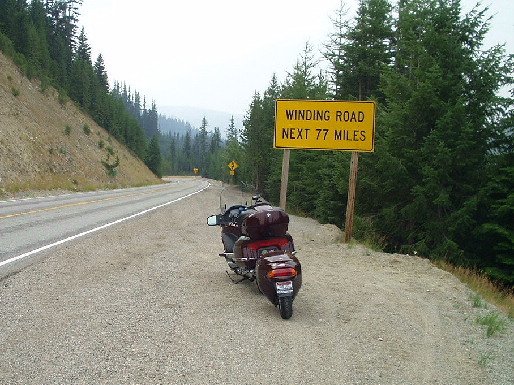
{"x":284,"y":288}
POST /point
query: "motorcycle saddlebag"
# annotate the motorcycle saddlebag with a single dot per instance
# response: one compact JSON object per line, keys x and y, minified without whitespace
{"x":264,"y":222}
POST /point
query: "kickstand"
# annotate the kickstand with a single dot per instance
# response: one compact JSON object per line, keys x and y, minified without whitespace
{"x":234,"y":280}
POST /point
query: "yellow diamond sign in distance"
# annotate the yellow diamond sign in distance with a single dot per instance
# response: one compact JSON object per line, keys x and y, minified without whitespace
{"x":325,"y":125}
{"x":233,"y":165}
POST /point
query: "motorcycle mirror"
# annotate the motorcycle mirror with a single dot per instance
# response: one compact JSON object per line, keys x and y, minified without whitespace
{"x":213,"y":220}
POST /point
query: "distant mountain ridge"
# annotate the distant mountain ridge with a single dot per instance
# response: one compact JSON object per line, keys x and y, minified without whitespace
{"x":172,"y":125}
{"x":194,"y":115}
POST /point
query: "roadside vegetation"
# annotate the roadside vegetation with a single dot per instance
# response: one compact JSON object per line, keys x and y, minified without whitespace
{"x":485,"y":288}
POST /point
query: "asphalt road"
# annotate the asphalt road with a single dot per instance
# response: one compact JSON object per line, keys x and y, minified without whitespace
{"x":29,"y":226}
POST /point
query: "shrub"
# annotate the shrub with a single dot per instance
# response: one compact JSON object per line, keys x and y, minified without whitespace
{"x":6,"y":45}
{"x":111,"y":168}
{"x":15,"y":92}
{"x":478,"y":302}
{"x":67,"y":130}
{"x":101,"y":144}
{"x":44,"y":84}
{"x":493,"y":321}
{"x":86,"y":129}
{"x":63,"y":97}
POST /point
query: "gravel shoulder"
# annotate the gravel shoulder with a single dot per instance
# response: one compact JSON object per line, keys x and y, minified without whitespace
{"x":149,"y":302}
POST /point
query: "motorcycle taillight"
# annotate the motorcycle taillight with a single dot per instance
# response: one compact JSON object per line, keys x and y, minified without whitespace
{"x":278,"y":242}
{"x":288,"y":272}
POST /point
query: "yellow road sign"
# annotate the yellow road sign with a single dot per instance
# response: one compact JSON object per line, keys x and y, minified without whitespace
{"x":325,"y":125}
{"x":233,"y":165}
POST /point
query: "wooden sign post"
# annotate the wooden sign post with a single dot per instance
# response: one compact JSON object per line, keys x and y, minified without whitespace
{"x":350,"y":204}
{"x":285,"y":178}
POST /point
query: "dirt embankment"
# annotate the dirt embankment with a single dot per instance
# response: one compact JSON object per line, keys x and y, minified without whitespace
{"x":148,"y":302}
{"x":45,"y":144}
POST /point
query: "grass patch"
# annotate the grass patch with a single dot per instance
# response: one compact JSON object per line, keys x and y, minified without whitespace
{"x":365,"y":233}
{"x":15,"y":92}
{"x":86,"y":129}
{"x":494,"y":323}
{"x":52,"y":182}
{"x":62,"y":98}
{"x":485,"y":359}
{"x":44,"y":84}
{"x":67,"y":130}
{"x":478,"y":302}
{"x":482,"y":285}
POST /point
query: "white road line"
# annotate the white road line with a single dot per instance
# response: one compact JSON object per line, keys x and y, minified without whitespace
{"x":17,"y":258}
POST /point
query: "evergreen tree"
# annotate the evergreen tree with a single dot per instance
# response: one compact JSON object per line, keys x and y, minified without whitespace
{"x":153,"y":157}
{"x":83,"y":48}
{"x":257,"y":138}
{"x":187,"y":153}
{"x":101,"y":73}
{"x":232,"y":133}
{"x":359,"y":51}
{"x":202,"y":147}
{"x":215,"y":141}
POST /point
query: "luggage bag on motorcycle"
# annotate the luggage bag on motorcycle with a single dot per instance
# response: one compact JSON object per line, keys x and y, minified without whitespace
{"x":265,"y":221}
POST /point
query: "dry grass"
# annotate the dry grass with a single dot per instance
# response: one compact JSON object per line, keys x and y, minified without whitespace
{"x":53,"y":182}
{"x":482,"y":285}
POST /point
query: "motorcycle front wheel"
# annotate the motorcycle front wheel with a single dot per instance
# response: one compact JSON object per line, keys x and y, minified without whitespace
{"x":285,"y":305}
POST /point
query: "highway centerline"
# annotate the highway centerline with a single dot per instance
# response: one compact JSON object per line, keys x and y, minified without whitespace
{"x":60,"y":242}
{"x":5,"y":216}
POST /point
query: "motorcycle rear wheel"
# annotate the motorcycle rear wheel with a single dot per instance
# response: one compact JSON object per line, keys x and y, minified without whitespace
{"x":285,"y":305}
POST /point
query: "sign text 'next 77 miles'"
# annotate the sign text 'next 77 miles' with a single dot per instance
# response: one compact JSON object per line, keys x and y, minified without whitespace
{"x":325,"y":125}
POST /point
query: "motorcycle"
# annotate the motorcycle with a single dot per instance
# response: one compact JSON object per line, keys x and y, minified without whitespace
{"x":259,"y":248}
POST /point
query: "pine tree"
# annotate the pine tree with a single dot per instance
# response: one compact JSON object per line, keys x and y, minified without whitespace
{"x":232,"y":133}
{"x":83,"y":49}
{"x":202,"y":146}
{"x":364,"y":50}
{"x":153,"y":156}
{"x":187,"y":153}
{"x":215,"y":141}
{"x":101,"y":73}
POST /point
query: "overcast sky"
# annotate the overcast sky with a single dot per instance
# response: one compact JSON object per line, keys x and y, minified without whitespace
{"x":215,"y":54}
